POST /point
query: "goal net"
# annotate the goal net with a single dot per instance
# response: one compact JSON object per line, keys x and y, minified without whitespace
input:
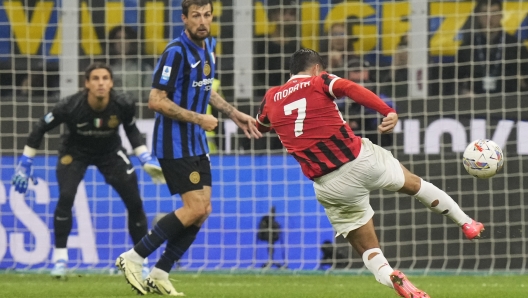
{"x":430,"y":60}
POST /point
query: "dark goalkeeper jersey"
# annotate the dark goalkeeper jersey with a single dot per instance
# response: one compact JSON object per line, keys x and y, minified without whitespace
{"x":89,"y":132}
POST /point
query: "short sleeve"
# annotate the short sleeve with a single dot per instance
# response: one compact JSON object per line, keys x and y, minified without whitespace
{"x":167,"y":70}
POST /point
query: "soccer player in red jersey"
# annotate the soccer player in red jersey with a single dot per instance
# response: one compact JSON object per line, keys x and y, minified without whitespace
{"x":345,"y":167}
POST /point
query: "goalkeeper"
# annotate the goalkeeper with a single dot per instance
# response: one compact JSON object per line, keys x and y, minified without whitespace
{"x":93,"y":117}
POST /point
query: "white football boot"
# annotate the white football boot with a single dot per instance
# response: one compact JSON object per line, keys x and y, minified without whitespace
{"x":132,"y":272}
{"x":161,"y":286}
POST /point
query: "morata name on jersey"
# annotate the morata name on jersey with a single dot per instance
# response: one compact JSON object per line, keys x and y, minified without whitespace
{"x":284,"y":93}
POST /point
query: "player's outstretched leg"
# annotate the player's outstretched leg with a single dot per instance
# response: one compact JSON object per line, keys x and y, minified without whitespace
{"x":440,"y":202}
{"x":404,"y":287}
{"x":132,"y":272}
{"x":59,"y":270}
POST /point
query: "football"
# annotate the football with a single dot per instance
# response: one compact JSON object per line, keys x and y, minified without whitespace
{"x":483,"y":158}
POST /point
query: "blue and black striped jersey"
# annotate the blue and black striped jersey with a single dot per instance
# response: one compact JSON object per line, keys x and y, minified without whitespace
{"x":186,"y":72}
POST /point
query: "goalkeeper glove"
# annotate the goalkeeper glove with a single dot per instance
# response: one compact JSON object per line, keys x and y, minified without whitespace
{"x":23,"y":173}
{"x":152,"y":167}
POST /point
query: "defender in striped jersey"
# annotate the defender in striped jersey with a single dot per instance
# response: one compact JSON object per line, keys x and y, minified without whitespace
{"x":345,"y":167}
{"x":182,"y":89}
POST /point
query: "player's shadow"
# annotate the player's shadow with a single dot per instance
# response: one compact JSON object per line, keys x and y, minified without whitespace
{"x":336,"y":255}
{"x":269,"y":231}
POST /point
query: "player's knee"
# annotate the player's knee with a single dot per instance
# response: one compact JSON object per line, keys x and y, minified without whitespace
{"x":196,"y":213}
{"x":416,"y":183}
{"x":66,"y":199}
{"x":413,"y":184}
{"x":63,"y":211}
{"x":201,"y":213}
{"x":206,"y":214}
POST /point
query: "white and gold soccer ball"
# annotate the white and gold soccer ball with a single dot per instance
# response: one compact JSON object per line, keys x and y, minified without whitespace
{"x":483,"y":158}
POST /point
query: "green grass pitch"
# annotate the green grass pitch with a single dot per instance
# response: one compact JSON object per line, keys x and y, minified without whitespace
{"x":263,"y":285}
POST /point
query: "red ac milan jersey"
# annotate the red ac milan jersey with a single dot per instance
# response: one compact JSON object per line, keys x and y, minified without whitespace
{"x":308,"y":122}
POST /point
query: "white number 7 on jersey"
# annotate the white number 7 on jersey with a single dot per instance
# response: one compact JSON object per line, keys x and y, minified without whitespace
{"x":299,"y":105}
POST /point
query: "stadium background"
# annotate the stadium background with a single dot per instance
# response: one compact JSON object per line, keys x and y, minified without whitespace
{"x":433,"y":133}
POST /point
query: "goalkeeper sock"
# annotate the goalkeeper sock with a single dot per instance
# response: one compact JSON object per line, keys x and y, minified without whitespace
{"x":137,"y":224}
{"x":168,"y":227}
{"x":62,"y":223}
{"x":379,"y":266}
{"x":176,"y":247}
{"x":440,"y":202}
{"x":60,"y":254}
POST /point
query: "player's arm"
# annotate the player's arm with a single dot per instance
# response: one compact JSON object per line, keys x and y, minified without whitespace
{"x":263,"y":123}
{"x":243,"y":120}
{"x":24,"y":169}
{"x":159,"y":102}
{"x":340,"y":87}
{"x":262,"y":127}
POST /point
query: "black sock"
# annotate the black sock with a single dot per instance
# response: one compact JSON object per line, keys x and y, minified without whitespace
{"x":167,"y":227}
{"x":137,"y":225}
{"x":176,"y":247}
{"x":62,"y":225}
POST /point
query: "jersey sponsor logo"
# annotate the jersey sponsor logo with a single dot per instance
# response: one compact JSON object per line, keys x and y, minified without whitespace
{"x":98,"y":122}
{"x":49,"y":117}
{"x":194,"y":177}
{"x":165,"y":74}
{"x":207,"y":69}
{"x":113,"y":122}
{"x":82,"y":124}
{"x":203,"y":82}
{"x":66,"y":159}
{"x":195,"y":64}
{"x":96,"y":133}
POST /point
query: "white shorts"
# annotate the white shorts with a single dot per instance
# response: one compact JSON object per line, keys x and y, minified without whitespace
{"x":344,"y":193}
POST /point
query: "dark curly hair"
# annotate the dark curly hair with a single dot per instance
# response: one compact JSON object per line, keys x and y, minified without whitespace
{"x":304,"y":59}
{"x":188,"y":3}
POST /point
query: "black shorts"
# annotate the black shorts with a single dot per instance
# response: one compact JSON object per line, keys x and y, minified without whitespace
{"x":115,"y":166}
{"x":186,"y":174}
